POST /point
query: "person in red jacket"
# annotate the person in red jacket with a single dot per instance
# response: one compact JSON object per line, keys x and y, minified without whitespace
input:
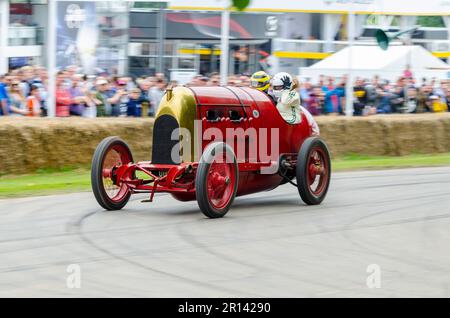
{"x":63,"y":97}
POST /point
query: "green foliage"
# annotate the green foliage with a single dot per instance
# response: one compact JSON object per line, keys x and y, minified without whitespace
{"x":431,"y":21}
{"x":425,"y":21}
{"x":240,"y":4}
{"x":149,"y":5}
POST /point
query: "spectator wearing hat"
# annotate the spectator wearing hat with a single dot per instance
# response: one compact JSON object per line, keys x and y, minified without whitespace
{"x":202,"y":81}
{"x":437,"y":104}
{"x":107,"y":99}
{"x":407,"y":73}
{"x":101,"y":98}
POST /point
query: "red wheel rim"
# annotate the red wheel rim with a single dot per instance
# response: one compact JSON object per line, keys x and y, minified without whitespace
{"x":317,"y":171}
{"x":115,"y":156}
{"x":221,"y":181}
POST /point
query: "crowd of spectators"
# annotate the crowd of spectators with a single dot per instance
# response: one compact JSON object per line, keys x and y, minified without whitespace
{"x":377,"y":96}
{"x":23,"y":92}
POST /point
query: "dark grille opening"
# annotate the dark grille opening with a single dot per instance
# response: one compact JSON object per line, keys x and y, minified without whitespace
{"x":162,"y":143}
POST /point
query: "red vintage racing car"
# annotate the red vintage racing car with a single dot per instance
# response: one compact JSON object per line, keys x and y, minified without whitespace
{"x":212,"y":144}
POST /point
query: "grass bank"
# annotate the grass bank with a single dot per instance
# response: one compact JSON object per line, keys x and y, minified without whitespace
{"x":50,"y":181}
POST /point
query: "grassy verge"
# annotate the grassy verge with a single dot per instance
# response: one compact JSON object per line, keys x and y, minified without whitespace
{"x":358,"y":162}
{"x":50,"y":181}
{"x":45,"y":182}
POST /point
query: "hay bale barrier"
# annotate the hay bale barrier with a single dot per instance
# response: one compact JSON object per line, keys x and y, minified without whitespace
{"x":387,"y":135}
{"x":29,"y":144}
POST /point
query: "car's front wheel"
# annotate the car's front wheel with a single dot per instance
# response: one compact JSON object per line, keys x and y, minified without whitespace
{"x":216,"y":180}
{"x":111,"y":153}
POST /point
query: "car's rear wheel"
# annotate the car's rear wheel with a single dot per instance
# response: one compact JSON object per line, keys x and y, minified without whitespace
{"x":313,"y":171}
{"x":111,"y":153}
{"x":216,"y":180}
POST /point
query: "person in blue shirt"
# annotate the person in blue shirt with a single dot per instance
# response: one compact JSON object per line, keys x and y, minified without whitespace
{"x":4,"y":100}
{"x":134,"y":104}
{"x":332,"y":96}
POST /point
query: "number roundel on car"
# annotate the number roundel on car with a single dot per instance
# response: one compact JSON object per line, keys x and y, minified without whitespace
{"x":255,"y":113}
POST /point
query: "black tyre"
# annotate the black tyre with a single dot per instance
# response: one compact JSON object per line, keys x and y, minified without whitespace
{"x":313,"y":170}
{"x":216,"y":180}
{"x":111,"y":153}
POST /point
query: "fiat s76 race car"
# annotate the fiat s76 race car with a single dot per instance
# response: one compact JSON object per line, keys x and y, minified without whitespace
{"x":212,"y":144}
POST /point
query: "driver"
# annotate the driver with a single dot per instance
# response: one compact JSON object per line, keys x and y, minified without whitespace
{"x":261,"y":81}
{"x":284,"y":89}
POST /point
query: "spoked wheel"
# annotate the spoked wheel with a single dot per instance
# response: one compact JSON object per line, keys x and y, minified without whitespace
{"x":110,"y":154}
{"x":313,"y":171}
{"x":216,"y":180}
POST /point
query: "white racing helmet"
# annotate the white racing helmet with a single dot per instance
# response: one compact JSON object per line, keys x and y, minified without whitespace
{"x":280,"y":82}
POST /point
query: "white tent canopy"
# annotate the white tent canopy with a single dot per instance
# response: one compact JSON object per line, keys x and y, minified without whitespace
{"x":368,"y":61}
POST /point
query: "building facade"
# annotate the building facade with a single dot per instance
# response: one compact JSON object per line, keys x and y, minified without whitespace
{"x":136,"y":37}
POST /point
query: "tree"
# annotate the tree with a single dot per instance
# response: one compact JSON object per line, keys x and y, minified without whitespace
{"x":240,"y":4}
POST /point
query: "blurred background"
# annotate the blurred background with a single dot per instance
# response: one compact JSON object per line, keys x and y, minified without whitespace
{"x":124,"y":37}
{"x":148,"y":44}
{"x":99,"y":67}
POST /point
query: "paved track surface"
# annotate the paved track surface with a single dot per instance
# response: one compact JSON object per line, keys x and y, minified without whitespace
{"x":269,"y":245}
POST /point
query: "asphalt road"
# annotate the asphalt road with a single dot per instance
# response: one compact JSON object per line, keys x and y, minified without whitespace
{"x":269,"y":245}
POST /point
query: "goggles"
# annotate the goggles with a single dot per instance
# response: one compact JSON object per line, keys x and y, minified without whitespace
{"x":277,"y":88}
{"x":257,"y":84}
